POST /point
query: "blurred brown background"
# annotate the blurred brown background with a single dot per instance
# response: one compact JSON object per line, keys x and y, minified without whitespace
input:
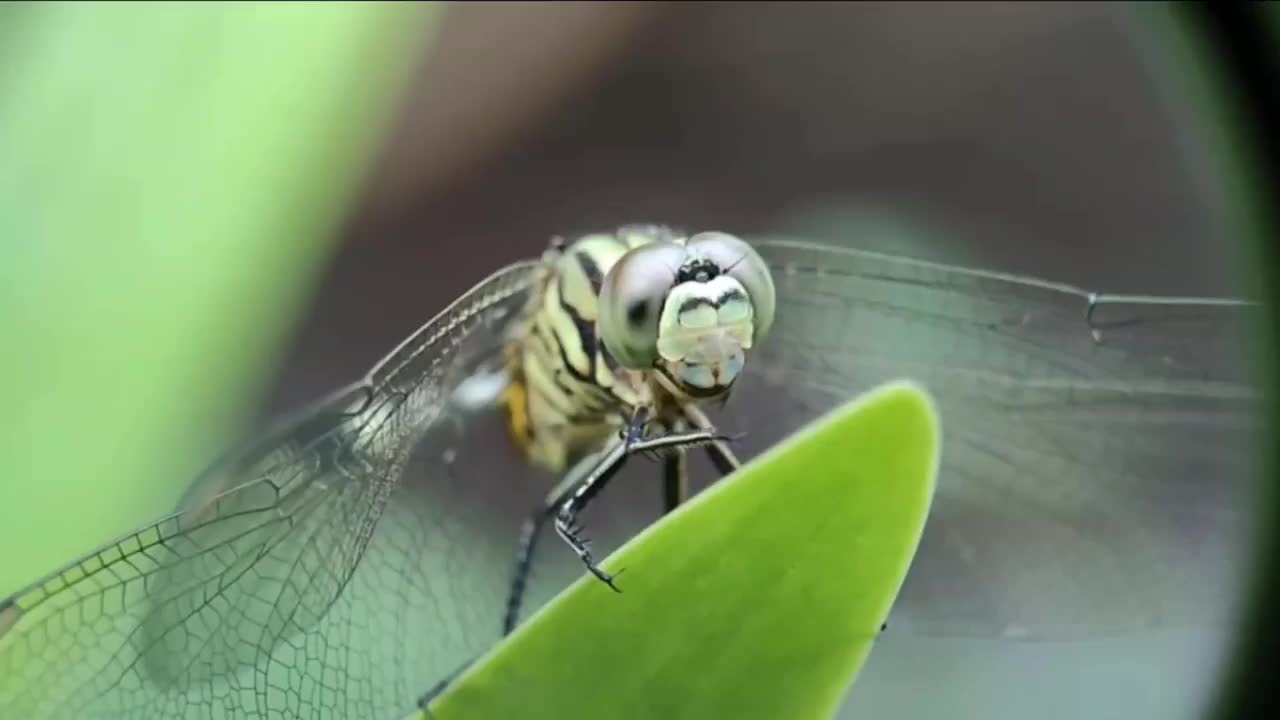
{"x":1041,"y":138}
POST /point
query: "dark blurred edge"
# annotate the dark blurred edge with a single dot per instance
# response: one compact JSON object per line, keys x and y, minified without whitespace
{"x":1236,"y":44}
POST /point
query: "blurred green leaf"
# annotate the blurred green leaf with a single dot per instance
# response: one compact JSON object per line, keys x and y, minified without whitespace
{"x":172,"y":177}
{"x":761,"y":598}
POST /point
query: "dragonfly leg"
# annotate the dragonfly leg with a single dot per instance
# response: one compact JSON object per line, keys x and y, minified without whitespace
{"x":572,"y":496}
{"x":524,"y":558}
{"x":531,"y":531}
{"x":425,"y":700}
{"x":675,"y":473}
{"x":576,"y":499}
{"x":675,"y":481}
{"x":722,"y":457}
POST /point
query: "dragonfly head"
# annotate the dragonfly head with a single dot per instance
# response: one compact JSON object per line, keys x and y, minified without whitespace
{"x":690,"y":308}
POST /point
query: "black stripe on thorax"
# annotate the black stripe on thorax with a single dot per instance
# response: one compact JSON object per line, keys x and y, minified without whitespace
{"x":589,"y":397}
{"x":596,"y":278}
{"x":591,"y":270}
{"x":586,"y":339}
{"x":610,"y":362}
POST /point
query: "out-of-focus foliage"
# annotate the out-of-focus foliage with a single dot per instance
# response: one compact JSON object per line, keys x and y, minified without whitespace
{"x":773,"y":584}
{"x":171,"y":179}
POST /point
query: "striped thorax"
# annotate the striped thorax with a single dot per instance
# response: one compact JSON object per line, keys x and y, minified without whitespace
{"x":641,"y":318}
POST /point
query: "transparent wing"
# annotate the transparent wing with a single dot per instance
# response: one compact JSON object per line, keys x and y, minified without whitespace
{"x":308,"y":575}
{"x":1096,"y":469}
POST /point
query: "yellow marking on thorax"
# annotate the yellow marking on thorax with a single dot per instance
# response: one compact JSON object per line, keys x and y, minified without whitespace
{"x":539,"y":371}
{"x":562,"y":327}
{"x":516,"y":399}
{"x":575,"y":287}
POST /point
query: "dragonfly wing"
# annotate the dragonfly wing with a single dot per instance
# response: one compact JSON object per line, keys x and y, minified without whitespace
{"x":295,"y":579}
{"x":1097,"y":466}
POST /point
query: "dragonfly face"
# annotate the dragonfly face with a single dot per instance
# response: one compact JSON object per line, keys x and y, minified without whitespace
{"x":690,"y":308}
{"x":1095,"y":479}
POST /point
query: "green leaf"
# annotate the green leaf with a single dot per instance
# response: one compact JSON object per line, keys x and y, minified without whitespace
{"x":172,"y":179}
{"x":760,"y":598}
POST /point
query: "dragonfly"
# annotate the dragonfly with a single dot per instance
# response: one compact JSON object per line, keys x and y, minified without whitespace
{"x":1096,"y":473}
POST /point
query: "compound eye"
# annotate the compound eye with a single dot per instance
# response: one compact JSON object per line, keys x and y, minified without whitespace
{"x":631,"y":301}
{"x":739,"y":260}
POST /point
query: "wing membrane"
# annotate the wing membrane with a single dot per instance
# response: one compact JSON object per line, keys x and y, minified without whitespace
{"x":296,"y":578}
{"x":1097,"y":453}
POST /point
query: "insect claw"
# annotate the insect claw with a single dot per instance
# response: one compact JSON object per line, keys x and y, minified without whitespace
{"x":605,"y":577}
{"x":615,"y":577}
